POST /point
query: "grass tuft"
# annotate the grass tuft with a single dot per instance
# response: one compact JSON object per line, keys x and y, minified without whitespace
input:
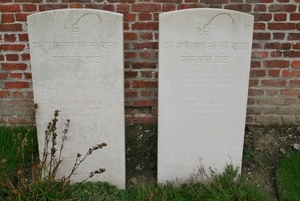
{"x":289,"y":177}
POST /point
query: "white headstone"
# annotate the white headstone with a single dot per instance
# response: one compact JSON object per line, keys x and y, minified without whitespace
{"x":77,"y":67}
{"x":204,"y":64}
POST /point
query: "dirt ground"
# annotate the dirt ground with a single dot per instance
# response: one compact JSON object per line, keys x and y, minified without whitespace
{"x":264,"y":147}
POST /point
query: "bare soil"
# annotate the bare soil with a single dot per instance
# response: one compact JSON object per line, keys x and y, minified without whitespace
{"x":264,"y":148}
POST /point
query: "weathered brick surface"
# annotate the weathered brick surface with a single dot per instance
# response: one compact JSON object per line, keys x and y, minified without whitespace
{"x":274,"y":86}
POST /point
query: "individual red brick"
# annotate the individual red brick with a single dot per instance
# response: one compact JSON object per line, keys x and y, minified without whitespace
{"x":16,"y":75}
{"x":7,"y":18}
{"x":4,"y":94}
{"x":123,"y":8}
{"x":108,"y":7}
{"x":261,"y":36}
{"x":129,"y":17}
{"x":144,"y":84}
{"x":257,"y":73}
{"x":146,"y":36}
{"x":273,"y":119}
{"x":262,"y":17}
{"x":296,"y":64}
{"x":272,"y":92}
{"x":10,"y":38}
{"x":128,"y":118}
{"x":255,"y":64}
{"x":7,"y":8}
{"x":282,"y":8}
{"x":148,"y":45}
{"x":145,"y":55}
{"x":126,"y":26}
{"x":29,"y":1}
{"x":25,"y":57}
{"x":5,"y":1}
{"x":281,"y":26}
{"x":145,"y":16}
{"x":168,"y":1}
{"x":23,"y":37}
{"x":239,"y":7}
{"x":44,"y":7}
{"x":143,"y":64}
{"x":114,"y":1}
{"x":143,"y":103}
{"x":260,"y":7}
{"x":76,"y":1}
{"x":28,"y":76}
{"x":273,"y":82}
{"x":11,"y":27}
{"x":126,"y":45}
{"x":16,"y":85}
{"x":256,"y":46}
{"x":298,"y":26}
{"x":145,"y":26}
{"x":130,"y":74}
{"x":186,"y":6}
{"x":126,"y":84}
{"x":277,"y":45}
{"x":1,"y":57}
{"x":295,"y":83}
{"x":291,"y":53}
{"x":3,"y":76}
{"x":214,"y":1}
{"x":291,"y":73}
{"x":168,"y":7}
{"x":146,"y":74}
{"x":131,"y":94}
{"x":255,"y":92}
{"x":296,"y":46}
{"x":145,"y":120}
{"x":21,"y":17}
{"x":145,"y":93}
{"x":276,"y":54}
{"x":128,"y":55}
{"x":29,"y":7}
{"x":253,"y":83}
{"x":279,"y":16}
{"x":276,"y":63}
{"x":274,"y":73}
{"x":18,"y":94}
{"x":293,"y":36}
{"x":259,"y":26}
{"x":278,"y":36}
{"x":290,"y":92}
{"x":250,"y":120}
{"x":146,"y":7}
{"x":18,"y":120}
{"x":12,"y":57}
{"x":14,"y":66}
{"x":76,"y":5}
{"x":130,"y":36}
{"x":259,"y":54}
{"x":295,"y":16}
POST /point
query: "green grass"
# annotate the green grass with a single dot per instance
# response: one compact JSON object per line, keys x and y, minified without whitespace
{"x":223,"y":187}
{"x":289,"y":177}
{"x":17,"y":146}
{"x":19,"y":153}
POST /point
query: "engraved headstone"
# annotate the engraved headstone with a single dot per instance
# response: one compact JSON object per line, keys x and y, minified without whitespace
{"x":204,"y":64}
{"x":77,"y":67}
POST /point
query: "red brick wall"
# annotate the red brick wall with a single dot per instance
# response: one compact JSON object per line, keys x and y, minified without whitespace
{"x":274,"y":88}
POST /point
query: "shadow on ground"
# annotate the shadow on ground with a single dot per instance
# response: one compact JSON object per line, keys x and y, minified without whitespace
{"x":264,"y":147}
